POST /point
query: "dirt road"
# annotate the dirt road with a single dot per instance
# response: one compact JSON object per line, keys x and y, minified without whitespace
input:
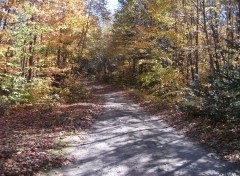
{"x":127,"y":141}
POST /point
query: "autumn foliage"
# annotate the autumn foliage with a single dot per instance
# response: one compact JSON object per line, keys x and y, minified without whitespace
{"x":182,"y":55}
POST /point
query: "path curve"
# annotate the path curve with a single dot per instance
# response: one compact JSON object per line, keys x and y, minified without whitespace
{"x":127,"y":141}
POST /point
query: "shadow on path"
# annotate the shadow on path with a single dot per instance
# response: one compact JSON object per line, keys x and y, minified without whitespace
{"x":127,"y":141}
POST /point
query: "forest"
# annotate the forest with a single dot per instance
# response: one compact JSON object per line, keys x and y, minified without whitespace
{"x":179,"y":55}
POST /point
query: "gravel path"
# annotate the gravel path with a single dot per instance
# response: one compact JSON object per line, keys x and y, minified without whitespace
{"x":127,"y":141}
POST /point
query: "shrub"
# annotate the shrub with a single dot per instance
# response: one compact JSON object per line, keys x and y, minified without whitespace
{"x":73,"y":91}
{"x":164,"y":83}
{"x":219,"y":100}
{"x":16,"y":90}
{"x":4,"y":103}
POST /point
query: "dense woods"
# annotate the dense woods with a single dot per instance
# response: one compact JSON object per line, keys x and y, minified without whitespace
{"x":42,"y":43}
{"x":185,"y":53}
{"x":182,"y":55}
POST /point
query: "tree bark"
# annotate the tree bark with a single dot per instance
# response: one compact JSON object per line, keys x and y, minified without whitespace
{"x":238,"y":18}
{"x":31,"y":58}
{"x":211,"y":61}
{"x":197,"y":44}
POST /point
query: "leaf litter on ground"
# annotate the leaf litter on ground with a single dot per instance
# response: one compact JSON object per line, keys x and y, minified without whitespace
{"x":27,"y":136}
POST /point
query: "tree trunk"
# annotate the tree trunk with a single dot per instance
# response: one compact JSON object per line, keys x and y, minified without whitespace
{"x":5,"y":20}
{"x":197,"y":43}
{"x":216,"y":41}
{"x":31,"y":58}
{"x":238,"y":19}
{"x":23,"y":61}
{"x":85,"y":29}
{"x":211,"y":61}
{"x":59,"y":56}
{"x":134,"y":65}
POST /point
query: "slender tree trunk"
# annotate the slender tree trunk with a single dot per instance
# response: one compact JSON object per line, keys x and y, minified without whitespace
{"x":134,"y":64}
{"x":31,"y":58}
{"x":190,"y":43}
{"x":23,"y":64}
{"x":197,"y":43}
{"x":211,"y":61}
{"x":229,"y":34}
{"x":82,"y":40}
{"x":59,"y":57}
{"x":1,"y":20}
{"x":215,"y":35}
{"x":188,"y":39}
{"x":83,"y":37}
{"x":5,"y":20}
{"x":238,"y":19}
{"x":23,"y":60}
